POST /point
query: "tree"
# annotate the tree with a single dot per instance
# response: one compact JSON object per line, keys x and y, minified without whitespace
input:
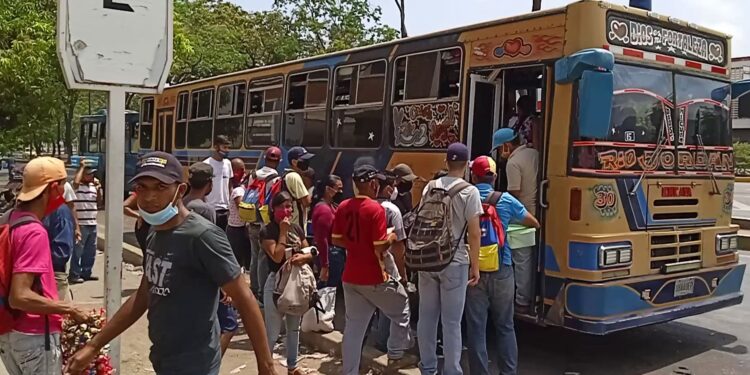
{"x":402,"y":11}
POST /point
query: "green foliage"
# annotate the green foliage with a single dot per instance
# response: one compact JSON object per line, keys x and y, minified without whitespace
{"x":742,"y":158}
{"x":211,"y":37}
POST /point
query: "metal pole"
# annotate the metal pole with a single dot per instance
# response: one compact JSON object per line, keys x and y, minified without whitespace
{"x":114,"y":180}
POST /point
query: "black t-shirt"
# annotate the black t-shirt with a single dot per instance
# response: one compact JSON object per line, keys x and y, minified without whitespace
{"x":184,"y":268}
{"x":293,"y":239}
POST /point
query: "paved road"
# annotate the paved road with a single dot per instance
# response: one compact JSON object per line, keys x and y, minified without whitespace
{"x":741,"y":206}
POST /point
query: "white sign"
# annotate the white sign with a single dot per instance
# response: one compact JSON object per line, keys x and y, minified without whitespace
{"x":125,"y":43}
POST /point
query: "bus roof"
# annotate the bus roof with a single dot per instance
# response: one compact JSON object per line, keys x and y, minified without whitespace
{"x":521,"y":17}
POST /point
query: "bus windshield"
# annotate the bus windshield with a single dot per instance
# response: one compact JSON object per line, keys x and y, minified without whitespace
{"x":703,"y":118}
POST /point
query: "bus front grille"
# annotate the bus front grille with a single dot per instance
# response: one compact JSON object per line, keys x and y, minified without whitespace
{"x":674,"y":247}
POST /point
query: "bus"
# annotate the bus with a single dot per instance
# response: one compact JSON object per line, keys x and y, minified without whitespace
{"x":92,"y":144}
{"x":636,"y":171}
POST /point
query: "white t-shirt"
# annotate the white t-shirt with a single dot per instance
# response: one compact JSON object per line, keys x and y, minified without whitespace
{"x":219,"y":197}
{"x":522,"y":169}
{"x":395,"y":221}
{"x":234,"y":210}
{"x":69,"y":195}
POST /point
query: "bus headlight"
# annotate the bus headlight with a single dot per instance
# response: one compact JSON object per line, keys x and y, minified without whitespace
{"x":726,"y":243}
{"x":615,"y":255}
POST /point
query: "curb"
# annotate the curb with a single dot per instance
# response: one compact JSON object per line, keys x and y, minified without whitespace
{"x":130,"y":254}
{"x":742,"y":179}
{"x":371,"y":358}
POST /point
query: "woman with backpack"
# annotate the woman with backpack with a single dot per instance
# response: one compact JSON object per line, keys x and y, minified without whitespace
{"x":281,"y":240}
{"x":328,"y":194}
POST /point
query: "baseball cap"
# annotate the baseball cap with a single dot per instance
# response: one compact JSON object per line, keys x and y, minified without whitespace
{"x":502,"y":136}
{"x":39,"y":173}
{"x":89,"y":170}
{"x":273,"y":153}
{"x":298,"y":152}
{"x":458,"y":152}
{"x":483,"y":166}
{"x":404,"y":172}
{"x":161,"y":166}
{"x":366,"y":172}
{"x":200,"y":172}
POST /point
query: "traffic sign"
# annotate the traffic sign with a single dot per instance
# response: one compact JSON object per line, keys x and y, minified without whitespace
{"x":124,"y":43}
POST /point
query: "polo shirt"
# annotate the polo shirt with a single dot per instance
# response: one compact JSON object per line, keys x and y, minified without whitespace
{"x":361,"y":223}
{"x":522,"y":170}
{"x":510,"y":210}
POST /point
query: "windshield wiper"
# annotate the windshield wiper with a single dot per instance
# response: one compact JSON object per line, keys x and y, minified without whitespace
{"x":662,"y":141}
{"x":714,"y":184}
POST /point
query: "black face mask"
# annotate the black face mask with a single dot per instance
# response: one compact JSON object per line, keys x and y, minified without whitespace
{"x":338,"y":197}
{"x":405,"y":187}
{"x":224,"y":155}
{"x":303,"y":165}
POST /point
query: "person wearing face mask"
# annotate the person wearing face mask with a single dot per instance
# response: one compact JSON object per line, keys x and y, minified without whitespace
{"x":329,"y":193}
{"x":31,"y":345}
{"x":405,"y":182}
{"x":299,"y":161}
{"x":360,"y":226}
{"x":186,"y":262}
{"x":222,"y":182}
{"x":236,"y":230}
{"x":282,"y":240}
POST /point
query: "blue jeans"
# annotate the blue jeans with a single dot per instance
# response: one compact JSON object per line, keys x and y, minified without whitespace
{"x":84,"y":254}
{"x":492,"y":297}
{"x":273,"y":324}
{"x":441,"y":296}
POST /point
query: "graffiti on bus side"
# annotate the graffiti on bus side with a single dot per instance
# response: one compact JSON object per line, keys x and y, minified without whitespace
{"x":643,"y":159}
{"x":433,"y":125}
{"x":605,"y":200}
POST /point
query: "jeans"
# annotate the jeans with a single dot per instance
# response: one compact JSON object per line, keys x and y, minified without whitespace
{"x":336,"y":260}
{"x":258,"y":262}
{"x":493,"y":296}
{"x":360,"y":302}
{"x":523,"y":264}
{"x":441,"y":297}
{"x":24,"y":354}
{"x":84,"y":254}
{"x":273,"y":324}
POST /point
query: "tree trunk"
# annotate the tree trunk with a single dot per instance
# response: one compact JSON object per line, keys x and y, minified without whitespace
{"x":69,"y":113}
{"x":536,"y":5}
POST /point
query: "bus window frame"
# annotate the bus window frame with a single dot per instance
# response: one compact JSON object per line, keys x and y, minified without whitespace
{"x":394,"y":64}
{"x":190,"y":113}
{"x":178,"y":121}
{"x":280,"y":112}
{"x":216,"y":115}
{"x":382,"y":104}
{"x":143,"y":123}
{"x":286,"y":111}
{"x":390,"y":128}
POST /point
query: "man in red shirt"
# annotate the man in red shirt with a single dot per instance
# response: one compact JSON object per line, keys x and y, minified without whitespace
{"x":360,"y":228}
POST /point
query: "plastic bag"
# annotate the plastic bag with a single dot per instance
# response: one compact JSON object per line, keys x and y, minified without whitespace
{"x":320,"y":318}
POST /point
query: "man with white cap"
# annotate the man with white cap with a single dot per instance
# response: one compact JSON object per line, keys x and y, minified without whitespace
{"x":30,"y":336}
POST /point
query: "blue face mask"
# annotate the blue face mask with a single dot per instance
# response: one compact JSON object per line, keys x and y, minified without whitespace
{"x":161,"y":217}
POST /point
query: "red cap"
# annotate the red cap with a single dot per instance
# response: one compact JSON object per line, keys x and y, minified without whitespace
{"x":273,"y":153}
{"x":483,"y":166}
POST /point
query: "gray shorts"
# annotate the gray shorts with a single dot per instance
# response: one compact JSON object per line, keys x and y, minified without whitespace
{"x":24,"y":354}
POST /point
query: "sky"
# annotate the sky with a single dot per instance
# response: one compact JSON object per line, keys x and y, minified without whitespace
{"x":424,"y":16}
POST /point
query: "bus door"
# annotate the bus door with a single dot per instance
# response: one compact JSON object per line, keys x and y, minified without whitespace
{"x":164,"y":130}
{"x":484,"y":108}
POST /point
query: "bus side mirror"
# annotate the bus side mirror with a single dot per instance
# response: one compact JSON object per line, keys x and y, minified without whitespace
{"x":595,"y":104}
{"x":592,"y":69}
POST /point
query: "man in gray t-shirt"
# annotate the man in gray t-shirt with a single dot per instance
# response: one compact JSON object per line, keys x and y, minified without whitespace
{"x":442,"y":294}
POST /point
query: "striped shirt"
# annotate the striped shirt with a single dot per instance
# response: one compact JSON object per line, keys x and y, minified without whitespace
{"x":86,"y":205}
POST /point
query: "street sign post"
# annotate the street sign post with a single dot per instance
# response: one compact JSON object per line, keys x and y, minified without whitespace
{"x":118,"y":46}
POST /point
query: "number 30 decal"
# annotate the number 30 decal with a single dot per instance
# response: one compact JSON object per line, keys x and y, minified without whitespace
{"x":605,"y":200}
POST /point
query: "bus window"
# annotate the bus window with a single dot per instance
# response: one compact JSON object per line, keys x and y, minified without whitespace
{"x":264,"y":111}
{"x":306,"y":109}
{"x":147,"y":123}
{"x":430,"y":75}
{"x":357,"y":119}
{"x":200,"y":122}
{"x":642,"y":103}
{"x":705,"y":117}
{"x":93,"y":140}
{"x":229,"y":111}
{"x":180,"y":131}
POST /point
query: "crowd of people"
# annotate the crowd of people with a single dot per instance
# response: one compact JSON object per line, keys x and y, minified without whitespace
{"x":451,"y":252}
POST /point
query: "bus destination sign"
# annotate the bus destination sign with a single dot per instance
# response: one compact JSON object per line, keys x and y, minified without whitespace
{"x":626,"y":32}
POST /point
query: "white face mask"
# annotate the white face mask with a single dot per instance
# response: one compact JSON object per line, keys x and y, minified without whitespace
{"x":394,"y":195}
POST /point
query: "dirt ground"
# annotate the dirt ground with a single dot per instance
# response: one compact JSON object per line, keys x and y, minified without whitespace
{"x":239,"y":359}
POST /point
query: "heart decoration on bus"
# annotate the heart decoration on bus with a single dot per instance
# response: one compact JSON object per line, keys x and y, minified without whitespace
{"x":513,"y":47}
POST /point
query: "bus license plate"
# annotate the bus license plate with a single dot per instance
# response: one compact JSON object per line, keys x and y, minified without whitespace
{"x":683,"y":287}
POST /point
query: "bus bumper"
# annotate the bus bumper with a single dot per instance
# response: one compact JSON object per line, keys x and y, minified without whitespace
{"x":602,"y":308}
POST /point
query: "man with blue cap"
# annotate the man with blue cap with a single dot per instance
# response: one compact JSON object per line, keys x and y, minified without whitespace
{"x":522,"y":175}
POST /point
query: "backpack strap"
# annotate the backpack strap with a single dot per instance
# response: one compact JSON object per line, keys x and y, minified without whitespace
{"x":457,"y":188}
{"x":493,"y":198}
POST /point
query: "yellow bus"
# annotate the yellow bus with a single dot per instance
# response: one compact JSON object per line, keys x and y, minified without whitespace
{"x":636,"y":166}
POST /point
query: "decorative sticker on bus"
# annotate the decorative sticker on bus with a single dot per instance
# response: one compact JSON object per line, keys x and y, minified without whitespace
{"x":605,"y":200}
{"x":519,"y":47}
{"x":596,"y":157}
{"x":728,"y":198}
{"x":432,"y":125}
{"x":626,"y":32}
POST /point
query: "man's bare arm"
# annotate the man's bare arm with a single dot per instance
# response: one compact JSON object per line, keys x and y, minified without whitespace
{"x":23,"y":298}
